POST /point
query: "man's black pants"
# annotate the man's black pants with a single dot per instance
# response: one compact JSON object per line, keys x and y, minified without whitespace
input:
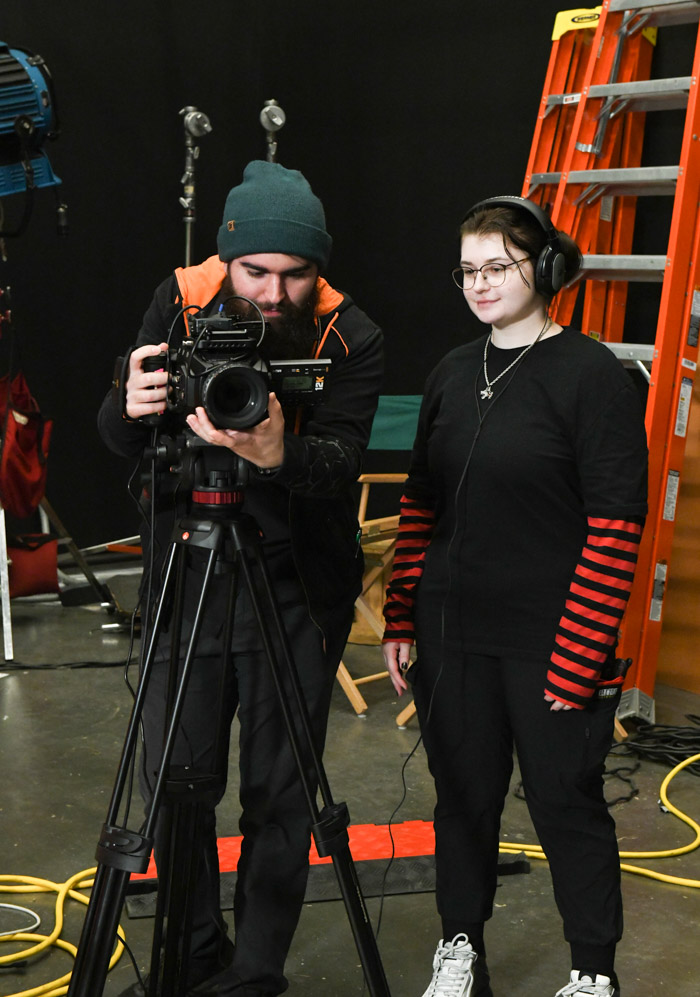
{"x":275,"y":820}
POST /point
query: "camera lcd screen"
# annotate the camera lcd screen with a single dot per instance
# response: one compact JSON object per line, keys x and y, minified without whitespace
{"x":297,"y":382}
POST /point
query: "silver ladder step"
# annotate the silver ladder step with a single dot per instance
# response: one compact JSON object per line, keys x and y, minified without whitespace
{"x":659,"y":12}
{"x":639,"y":95}
{"x":539,"y":178}
{"x":636,"y":180}
{"x":624,"y":267}
{"x":622,"y":180}
{"x":637,"y":355}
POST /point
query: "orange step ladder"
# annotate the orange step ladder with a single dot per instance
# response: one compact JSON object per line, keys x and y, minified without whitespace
{"x":586,"y":168}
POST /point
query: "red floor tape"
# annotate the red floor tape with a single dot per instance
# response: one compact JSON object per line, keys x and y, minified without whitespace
{"x":367,"y":841}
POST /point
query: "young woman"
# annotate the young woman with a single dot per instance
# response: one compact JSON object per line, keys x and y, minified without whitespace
{"x":520,"y":523}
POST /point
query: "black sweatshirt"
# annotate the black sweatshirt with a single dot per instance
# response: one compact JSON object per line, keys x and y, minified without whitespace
{"x":513,"y":480}
{"x":321,"y":462}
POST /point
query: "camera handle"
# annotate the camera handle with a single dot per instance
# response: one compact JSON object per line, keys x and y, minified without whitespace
{"x":121,"y":851}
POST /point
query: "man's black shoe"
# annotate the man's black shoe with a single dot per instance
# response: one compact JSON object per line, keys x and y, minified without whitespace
{"x":199,"y":978}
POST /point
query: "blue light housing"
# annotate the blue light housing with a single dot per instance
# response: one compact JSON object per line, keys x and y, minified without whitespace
{"x":27,"y":119}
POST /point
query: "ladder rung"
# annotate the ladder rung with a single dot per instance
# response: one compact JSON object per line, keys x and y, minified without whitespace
{"x":635,"y":180}
{"x":647,"y":95}
{"x":539,"y":178}
{"x":623,"y":267}
{"x":658,"y":12}
{"x":632,"y":353}
{"x":639,"y":95}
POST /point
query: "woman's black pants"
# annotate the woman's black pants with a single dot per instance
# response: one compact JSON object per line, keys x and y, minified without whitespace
{"x":473,"y":710}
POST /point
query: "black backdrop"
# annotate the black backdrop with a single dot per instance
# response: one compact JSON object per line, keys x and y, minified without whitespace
{"x":400,"y":114}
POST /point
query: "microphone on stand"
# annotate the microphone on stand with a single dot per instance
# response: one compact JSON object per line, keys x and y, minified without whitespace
{"x":196,"y":124}
{"x":272,"y":118}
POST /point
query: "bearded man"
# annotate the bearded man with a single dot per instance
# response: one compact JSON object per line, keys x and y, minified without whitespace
{"x":272,"y":247}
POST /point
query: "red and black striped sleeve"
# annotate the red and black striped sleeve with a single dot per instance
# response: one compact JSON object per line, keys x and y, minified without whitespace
{"x":415,"y":532}
{"x":595,"y":604}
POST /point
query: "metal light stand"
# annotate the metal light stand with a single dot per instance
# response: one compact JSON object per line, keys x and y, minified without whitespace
{"x":272,"y":118}
{"x":215,"y":528}
{"x":196,"y":124}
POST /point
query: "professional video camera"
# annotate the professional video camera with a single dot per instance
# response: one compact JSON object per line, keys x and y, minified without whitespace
{"x":219,"y":367}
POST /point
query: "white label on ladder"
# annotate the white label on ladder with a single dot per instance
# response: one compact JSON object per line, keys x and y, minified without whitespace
{"x":689,"y":364}
{"x":657,"y":596}
{"x":683,"y":407}
{"x":606,"y":208}
{"x":694,"y":319}
{"x":571,"y":98}
{"x":671,"y":496}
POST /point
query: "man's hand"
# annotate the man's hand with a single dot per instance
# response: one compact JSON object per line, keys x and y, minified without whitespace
{"x":145,"y":391}
{"x":262,"y":445}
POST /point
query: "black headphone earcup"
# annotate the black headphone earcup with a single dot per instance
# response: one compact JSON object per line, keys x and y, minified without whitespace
{"x":550,"y":271}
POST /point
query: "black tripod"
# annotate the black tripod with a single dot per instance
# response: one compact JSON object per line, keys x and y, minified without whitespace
{"x":219,"y":531}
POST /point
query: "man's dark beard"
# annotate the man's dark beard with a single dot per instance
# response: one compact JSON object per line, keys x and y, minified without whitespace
{"x":293,"y":335}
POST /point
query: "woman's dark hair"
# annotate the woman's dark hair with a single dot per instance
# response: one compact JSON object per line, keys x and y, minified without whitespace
{"x":520,"y":229}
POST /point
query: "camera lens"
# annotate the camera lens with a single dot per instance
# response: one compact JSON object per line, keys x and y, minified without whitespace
{"x":235,"y":396}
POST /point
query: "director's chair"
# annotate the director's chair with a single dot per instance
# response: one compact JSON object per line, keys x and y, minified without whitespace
{"x":393,"y":432}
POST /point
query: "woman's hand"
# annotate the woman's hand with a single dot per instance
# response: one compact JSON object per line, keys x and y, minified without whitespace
{"x":556,"y":705}
{"x":397,"y":658}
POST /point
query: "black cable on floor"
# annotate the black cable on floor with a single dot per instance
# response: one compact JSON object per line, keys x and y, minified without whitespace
{"x":663,"y":743}
{"x":17,"y":666}
{"x":623,"y":772}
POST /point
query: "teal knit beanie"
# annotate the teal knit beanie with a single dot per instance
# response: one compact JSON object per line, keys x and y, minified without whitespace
{"x":274,"y":210}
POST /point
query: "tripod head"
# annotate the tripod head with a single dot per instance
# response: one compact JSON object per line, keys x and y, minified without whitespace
{"x":218,"y":491}
{"x":213,"y":478}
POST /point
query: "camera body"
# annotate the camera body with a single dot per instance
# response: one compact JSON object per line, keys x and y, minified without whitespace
{"x":218,"y":367}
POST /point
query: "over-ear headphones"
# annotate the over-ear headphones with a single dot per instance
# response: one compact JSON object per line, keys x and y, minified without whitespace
{"x":550,"y":266}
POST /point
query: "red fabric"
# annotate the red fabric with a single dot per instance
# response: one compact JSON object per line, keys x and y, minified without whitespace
{"x":32,"y":565}
{"x":587,"y":632}
{"x":24,"y":447}
{"x":415,"y":533}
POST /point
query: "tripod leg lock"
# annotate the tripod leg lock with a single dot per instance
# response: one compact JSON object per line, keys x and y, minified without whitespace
{"x":330,"y":832}
{"x":123,"y":849}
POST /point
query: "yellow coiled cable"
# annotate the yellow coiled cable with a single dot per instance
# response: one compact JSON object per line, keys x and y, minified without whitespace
{"x":30,"y":884}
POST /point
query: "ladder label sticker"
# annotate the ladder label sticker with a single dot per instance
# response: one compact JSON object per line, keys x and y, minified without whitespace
{"x":575,"y":20}
{"x":694,"y":319}
{"x":607,"y":204}
{"x":671,"y":495}
{"x":571,"y":98}
{"x":657,"y":596}
{"x":683,"y":407}
{"x":689,"y":364}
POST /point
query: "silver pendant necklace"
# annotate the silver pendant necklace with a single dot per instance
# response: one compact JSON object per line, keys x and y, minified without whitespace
{"x":487,"y":392}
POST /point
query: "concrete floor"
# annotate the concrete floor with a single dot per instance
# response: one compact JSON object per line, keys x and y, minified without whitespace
{"x":61,"y":734}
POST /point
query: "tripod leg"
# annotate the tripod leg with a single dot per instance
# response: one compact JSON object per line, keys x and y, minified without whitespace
{"x":330,"y":826}
{"x":189,"y":796}
{"x":120,"y":851}
{"x":99,"y":932}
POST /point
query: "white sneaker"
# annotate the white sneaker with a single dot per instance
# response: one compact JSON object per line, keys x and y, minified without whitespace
{"x":584,"y":986}
{"x":452,"y":969}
